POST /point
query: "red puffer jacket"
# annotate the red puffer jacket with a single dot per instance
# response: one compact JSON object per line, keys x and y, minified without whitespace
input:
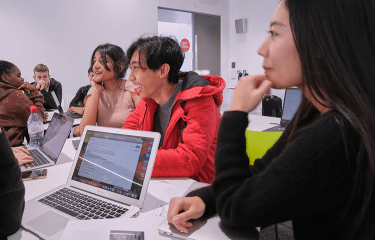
{"x":190,"y":139}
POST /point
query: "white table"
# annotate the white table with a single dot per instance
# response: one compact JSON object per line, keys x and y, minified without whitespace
{"x":260,"y":123}
{"x":76,"y":122}
{"x":57,"y":175}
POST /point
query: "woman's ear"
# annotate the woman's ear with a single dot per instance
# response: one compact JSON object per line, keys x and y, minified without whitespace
{"x":4,"y":78}
{"x":122,"y":68}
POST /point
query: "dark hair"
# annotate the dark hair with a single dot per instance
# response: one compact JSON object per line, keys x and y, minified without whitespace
{"x":157,"y":51}
{"x":6,"y":67}
{"x":336,"y":45}
{"x":116,"y":54}
{"x":90,"y":70}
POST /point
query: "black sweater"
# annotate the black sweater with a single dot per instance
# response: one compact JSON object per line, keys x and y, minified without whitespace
{"x":12,"y":190}
{"x":78,"y":100}
{"x":306,"y":181}
{"x":49,"y":102}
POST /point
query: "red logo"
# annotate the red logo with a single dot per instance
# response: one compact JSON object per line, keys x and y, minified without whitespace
{"x":185,"y":45}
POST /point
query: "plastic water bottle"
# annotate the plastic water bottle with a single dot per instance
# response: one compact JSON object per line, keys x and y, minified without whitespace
{"x":35,"y":128}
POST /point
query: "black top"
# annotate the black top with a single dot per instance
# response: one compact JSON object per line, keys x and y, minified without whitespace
{"x":78,"y":100}
{"x":306,"y":181}
{"x":12,"y":190}
{"x":49,"y":102}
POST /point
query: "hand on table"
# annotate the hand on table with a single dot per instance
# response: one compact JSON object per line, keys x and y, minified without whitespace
{"x":191,"y":207}
{"x":78,"y":110}
{"x":22,"y":155}
{"x":249,"y":92}
{"x":45,"y":117}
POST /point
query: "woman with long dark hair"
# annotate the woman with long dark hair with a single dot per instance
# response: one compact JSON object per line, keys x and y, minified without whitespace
{"x":111,"y":98}
{"x":320,"y":173}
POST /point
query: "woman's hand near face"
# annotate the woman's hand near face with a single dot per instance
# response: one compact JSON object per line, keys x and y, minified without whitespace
{"x":192,"y":207}
{"x":249,"y":92}
{"x":26,"y":87}
{"x":22,"y":155}
{"x":98,"y":86}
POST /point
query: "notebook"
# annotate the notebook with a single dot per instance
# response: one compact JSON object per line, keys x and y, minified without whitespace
{"x":108,"y":178}
{"x":53,"y":141}
{"x":292,"y":99}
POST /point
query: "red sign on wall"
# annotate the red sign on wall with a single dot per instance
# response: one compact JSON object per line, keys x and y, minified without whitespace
{"x":185,"y":45}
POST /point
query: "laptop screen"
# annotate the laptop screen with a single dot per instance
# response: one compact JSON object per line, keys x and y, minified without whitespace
{"x":55,"y":136}
{"x":292,"y":99}
{"x":113,"y":162}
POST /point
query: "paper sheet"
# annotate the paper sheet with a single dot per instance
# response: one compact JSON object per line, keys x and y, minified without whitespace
{"x":159,"y":193}
{"x":111,"y":229}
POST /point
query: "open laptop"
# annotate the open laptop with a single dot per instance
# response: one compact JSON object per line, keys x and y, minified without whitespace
{"x":108,"y":179}
{"x":73,"y":115}
{"x":292,"y":100}
{"x":53,"y":141}
{"x":58,"y":108}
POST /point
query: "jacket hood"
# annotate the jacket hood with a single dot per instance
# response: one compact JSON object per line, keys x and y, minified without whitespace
{"x":194,"y":86}
{"x":5,"y":90}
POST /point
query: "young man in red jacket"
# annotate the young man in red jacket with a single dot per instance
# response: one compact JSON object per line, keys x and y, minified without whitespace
{"x":182,"y":106}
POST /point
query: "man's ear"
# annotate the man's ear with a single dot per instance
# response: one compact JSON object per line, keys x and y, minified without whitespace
{"x":164,"y":70}
{"x":34,"y":77}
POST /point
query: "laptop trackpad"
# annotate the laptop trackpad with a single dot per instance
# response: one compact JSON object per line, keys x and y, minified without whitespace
{"x":49,"y":223}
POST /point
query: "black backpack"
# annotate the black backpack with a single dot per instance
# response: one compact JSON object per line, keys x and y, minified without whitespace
{"x":271,"y":106}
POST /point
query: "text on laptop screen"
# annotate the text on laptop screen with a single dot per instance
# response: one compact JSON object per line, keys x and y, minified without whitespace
{"x":56,"y":134}
{"x":114,"y":162}
{"x":292,"y":100}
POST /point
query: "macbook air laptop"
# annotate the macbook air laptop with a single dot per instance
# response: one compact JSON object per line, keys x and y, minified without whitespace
{"x":53,"y":141}
{"x":61,"y":111}
{"x":108,"y":179}
{"x":292,"y":99}
{"x":73,"y":115}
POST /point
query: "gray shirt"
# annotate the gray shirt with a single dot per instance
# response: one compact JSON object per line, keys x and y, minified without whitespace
{"x":163,"y":114}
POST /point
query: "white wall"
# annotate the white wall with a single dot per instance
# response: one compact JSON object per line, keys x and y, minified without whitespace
{"x":243,"y":47}
{"x":62,"y":34}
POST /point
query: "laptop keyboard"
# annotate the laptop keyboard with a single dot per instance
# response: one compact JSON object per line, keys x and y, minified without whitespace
{"x":82,"y":206}
{"x":39,"y":159}
{"x":72,"y":114}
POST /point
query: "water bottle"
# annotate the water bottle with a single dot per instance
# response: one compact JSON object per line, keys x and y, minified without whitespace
{"x":35,"y":128}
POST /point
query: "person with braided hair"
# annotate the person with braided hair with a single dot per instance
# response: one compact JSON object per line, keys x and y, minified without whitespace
{"x":14,"y":104}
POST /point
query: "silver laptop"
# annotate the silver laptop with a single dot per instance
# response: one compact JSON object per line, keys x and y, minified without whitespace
{"x":53,"y":141}
{"x":108,"y":179}
{"x":292,"y":100}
